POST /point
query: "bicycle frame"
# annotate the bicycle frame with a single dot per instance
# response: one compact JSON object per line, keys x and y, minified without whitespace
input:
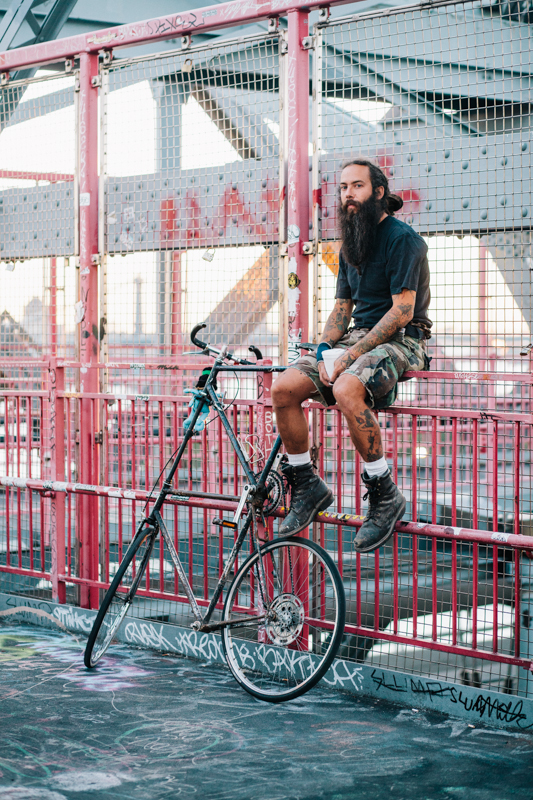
{"x":254,"y":491}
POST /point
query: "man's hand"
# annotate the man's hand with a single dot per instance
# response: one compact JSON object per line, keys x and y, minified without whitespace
{"x":323,"y":373}
{"x":393,"y":321}
{"x":342,"y":363}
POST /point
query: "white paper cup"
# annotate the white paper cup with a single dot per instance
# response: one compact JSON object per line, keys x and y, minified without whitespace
{"x":330,"y":356}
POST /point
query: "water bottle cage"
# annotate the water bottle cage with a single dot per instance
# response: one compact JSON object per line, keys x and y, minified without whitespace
{"x":199,"y":397}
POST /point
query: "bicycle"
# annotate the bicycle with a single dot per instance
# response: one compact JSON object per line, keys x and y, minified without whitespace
{"x":284,"y":612}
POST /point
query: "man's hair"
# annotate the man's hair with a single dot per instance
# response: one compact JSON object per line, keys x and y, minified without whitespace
{"x":390,"y":203}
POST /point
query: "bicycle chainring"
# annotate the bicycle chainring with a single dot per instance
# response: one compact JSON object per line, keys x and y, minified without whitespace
{"x":276,"y":491}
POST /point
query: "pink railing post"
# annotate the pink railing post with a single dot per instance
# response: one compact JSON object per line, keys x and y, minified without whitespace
{"x":298,"y":212}
{"x":176,"y":327}
{"x":87,"y":508}
{"x":53,"y":307}
{"x":264,"y":422}
{"x":57,"y":459}
{"x":297,"y":181}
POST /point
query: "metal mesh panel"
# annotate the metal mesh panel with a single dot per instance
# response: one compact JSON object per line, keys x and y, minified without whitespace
{"x":37,"y":216}
{"x":449,"y":593}
{"x":191,"y":165}
{"x":37,"y":165}
{"x":440,"y":98}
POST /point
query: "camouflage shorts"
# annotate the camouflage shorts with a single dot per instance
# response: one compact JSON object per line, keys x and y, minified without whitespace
{"x":378,"y":370}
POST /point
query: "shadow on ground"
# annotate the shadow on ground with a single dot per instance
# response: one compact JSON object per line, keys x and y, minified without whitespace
{"x":146,"y":725}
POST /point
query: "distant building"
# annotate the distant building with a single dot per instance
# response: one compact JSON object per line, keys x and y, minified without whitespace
{"x":32,"y":320}
{"x":15,"y":341}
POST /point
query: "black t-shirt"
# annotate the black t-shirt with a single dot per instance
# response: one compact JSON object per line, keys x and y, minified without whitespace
{"x":398,"y":261}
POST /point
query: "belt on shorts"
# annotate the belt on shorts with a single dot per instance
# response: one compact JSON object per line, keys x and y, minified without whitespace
{"x":414,"y":332}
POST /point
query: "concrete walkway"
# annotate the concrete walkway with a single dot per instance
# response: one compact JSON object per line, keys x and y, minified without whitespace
{"x":150,"y":726}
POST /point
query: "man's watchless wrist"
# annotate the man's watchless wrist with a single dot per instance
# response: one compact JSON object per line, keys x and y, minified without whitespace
{"x":320,"y":351}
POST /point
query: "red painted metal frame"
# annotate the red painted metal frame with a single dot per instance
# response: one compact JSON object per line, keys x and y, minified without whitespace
{"x":297,"y":168}
{"x":210,"y":18}
{"x":87,"y":511}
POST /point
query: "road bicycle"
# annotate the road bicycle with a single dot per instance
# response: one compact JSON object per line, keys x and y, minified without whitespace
{"x":283,"y":615}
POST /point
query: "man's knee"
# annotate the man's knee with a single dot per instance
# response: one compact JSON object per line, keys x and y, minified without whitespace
{"x":291,"y":388}
{"x":349,"y":392}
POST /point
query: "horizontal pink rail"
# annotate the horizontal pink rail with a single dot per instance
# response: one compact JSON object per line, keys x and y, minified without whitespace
{"x":519,"y":541}
{"x":53,"y":177}
{"x":224,"y":15}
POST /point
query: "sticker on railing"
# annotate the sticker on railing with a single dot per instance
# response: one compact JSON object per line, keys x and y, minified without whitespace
{"x":142,"y":397}
{"x":129,"y":495}
{"x":452,"y":529}
{"x":114,"y":493}
{"x":500,"y":537}
{"x":19,"y":483}
{"x":84,"y":487}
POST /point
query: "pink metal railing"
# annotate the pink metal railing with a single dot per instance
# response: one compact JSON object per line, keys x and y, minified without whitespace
{"x":40,"y":517}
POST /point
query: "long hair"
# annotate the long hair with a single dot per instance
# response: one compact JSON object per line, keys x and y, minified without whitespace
{"x":390,"y":203}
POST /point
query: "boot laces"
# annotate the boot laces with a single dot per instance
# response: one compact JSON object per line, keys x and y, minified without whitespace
{"x":373,"y":504}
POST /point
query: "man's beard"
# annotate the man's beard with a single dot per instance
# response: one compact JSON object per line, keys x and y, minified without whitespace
{"x":358,"y":229}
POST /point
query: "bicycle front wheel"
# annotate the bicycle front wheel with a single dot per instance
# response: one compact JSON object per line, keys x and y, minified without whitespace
{"x":119,"y":597}
{"x":281,"y":645}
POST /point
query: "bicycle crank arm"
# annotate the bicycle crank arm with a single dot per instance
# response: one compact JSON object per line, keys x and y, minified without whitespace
{"x":209,"y":627}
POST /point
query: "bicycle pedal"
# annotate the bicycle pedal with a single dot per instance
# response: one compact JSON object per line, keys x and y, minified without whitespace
{"x":225,"y":523}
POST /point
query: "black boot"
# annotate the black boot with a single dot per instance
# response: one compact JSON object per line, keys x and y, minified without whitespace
{"x":386,"y":505}
{"x":309,"y":494}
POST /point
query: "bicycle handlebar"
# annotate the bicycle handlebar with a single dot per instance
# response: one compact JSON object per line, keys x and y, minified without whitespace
{"x":208,"y":349}
{"x":195,"y":340}
{"x":256,"y":351}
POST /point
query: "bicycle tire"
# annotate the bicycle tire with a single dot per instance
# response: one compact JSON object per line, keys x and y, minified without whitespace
{"x":119,"y":597}
{"x":258,"y":654}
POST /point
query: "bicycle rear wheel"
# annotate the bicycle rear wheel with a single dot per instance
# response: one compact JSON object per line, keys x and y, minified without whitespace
{"x":119,"y":596}
{"x":279,"y":653}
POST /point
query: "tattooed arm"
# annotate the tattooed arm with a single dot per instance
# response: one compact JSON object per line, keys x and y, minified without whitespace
{"x":338,"y":321}
{"x":395,"y":319}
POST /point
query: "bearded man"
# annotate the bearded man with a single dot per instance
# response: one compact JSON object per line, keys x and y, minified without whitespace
{"x":384,"y":280}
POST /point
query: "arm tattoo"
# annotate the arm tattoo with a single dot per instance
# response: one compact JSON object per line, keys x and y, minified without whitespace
{"x":394,"y":320}
{"x":338,"y":321}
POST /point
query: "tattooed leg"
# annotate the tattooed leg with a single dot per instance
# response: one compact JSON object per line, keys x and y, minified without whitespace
{"x":351,"y":397}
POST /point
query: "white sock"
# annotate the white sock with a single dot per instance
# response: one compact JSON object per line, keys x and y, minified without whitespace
{"x":299,"y":459}
{"x":379,"y":467}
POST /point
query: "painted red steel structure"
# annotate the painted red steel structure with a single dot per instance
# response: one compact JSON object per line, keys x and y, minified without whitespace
{"x":95,"y":410}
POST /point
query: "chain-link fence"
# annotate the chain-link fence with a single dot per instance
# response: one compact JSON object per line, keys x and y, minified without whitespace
{"x":38,"y":228}
{"x":191,"y":200}
{"x":440,"y":98}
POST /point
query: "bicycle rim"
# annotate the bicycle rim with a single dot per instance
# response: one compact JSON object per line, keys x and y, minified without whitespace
{"x":119,"y":598}
{"x":280,"y":653}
